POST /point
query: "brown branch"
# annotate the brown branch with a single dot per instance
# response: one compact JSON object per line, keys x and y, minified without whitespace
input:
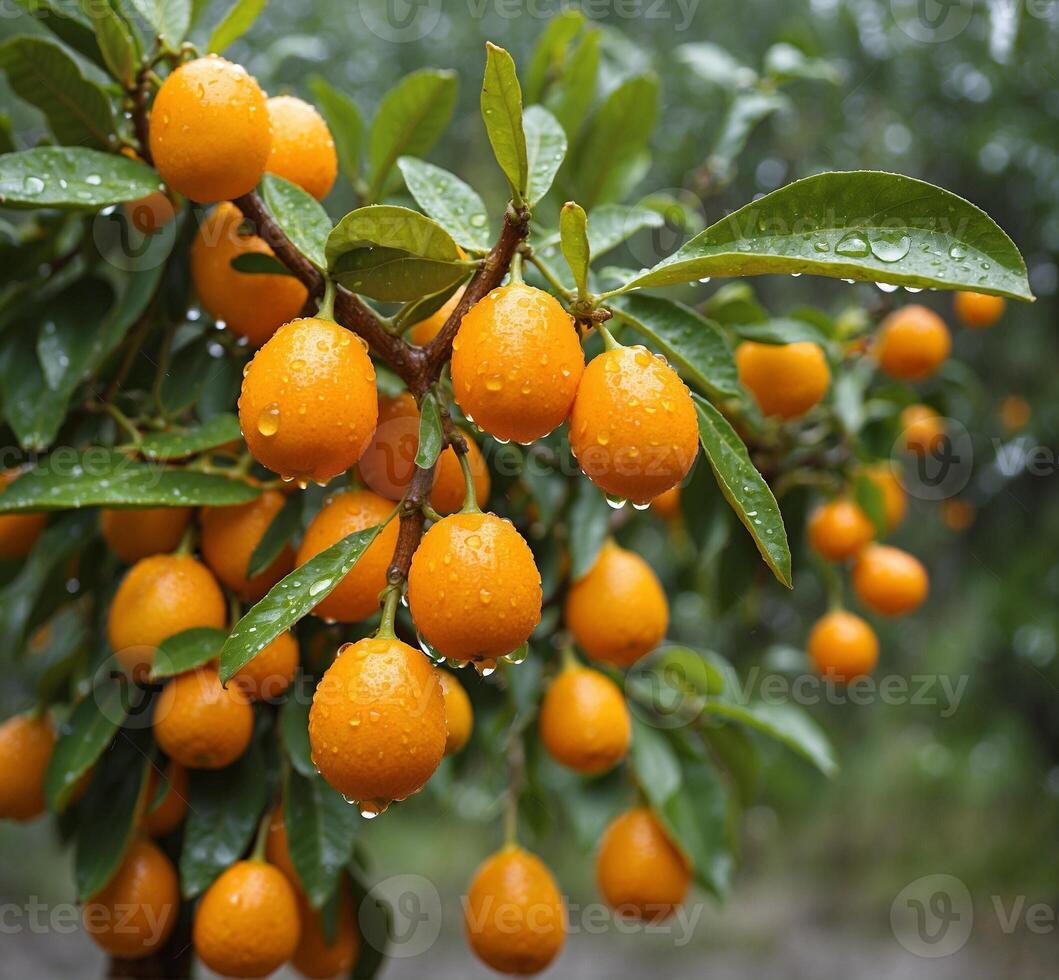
{"x":140,"y":96}
{"x":412,"y":522}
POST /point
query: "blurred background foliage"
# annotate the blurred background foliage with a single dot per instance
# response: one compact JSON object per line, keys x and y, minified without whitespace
{"x":970,"y":789}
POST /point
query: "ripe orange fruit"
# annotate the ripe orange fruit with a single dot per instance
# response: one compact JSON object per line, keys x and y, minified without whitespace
{"x":18,"y":532}
{"x":839,"y":529}
{"x":26,"y":745}
{"x":271,"y":671}
{"x":584,"y":722}
{"x":1015,"y":413}
{"x":978,"y":310}
{"x":229,"y":537}
{"x":276,"y":850}
{"x":956,"y":514}
{"x":912,"y":343}
{"x":389,"y":461}
{"x":302,"y":150}
{"x":377,"y":724}
{"x":357,"y":595}
{"x":639,"y":871}
{"x":922,"y":429}
{"x":633,"y":427}
{"x":459,"y":715}
{"x":247,"y":924}
{"x":134,"y":914}
{"x":308,"y":407}
{"x":210,"y":132}
{"x":473,"y":588}
{"x":423,"y":332}
{"x":138,"y":532}
{"x":160,"y":596}
{"x":667,"y":505}
{"x":251,"y":304}
{"x":200,"y":724}
{"x":618,"y":611}
{"x":785,"y":379}
{"x":148,"y":214}
{"x":889,"y":581}
{"x":516,"y":362}
{"x":895,"y":500}
{"x":513,"y":914}
{"x":315,"y":956}
{"x":170,"y":812}
{"x":843,"y":646}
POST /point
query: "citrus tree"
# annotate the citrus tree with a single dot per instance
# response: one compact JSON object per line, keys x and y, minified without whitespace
{"x":228,"y":669}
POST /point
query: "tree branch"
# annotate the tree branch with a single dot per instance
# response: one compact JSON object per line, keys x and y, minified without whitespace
{"x":412,"y":521}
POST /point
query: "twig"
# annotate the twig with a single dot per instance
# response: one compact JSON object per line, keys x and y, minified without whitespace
{"x":412,"y":522}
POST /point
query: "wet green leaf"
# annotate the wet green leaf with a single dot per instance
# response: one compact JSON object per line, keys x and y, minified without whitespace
{"x":294,"y":730}
{"x":781,"y":330}
{"x":186,"y":650}
{"x":300,"y":215}
{"x":72,"y":177}
{"x":611,"y":224}
{"x":589,"y":524}
{"x":345,"y":122}
{"x":235,"y":23}
{"x":68,"y":24}
{"x":449,"y":201}
{"x":501,"y":103}
{"x":431,"y":436}
{"x":181,"y":443}
{"x":573,"y":238}
{"x":545,"y":150}
{"x":277,"y":536}
{"x":170,"y":19}
{"x":118,"y":42}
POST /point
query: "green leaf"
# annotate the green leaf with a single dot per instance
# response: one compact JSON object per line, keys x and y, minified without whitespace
{"x":576,"y":89}
{"x":787,"y":723}
{"x":181,"y":443}
{"x":694,"y":344}
{"x":786,"y":63}
{"x":292,"y":598}
{"x":449,"y":201}
{"x":865,"y":225}
{"x":654,"y":761}
{"x":106,"y":818}
{"x":376,"y":928}
{"x":611,"y":224}
{"x":224,"y":809}
{"x":392,"y":253}
{"x":345,"y":122}
{"x":300,"y":215}
{"x":410,"y":120}
{"x":573,"y":238}
{"x":66,"y":22}
{"x":501,"y":103}
{"x":41,"y":72}
{"x":589,"y":524}
{"x":102,"y":478}
{"x":321,"y":827}
{"x":186,"y":650}
{"x":187,"y":375}
{"x":431,"y":436}
{"x":781,"y":330}
{"x":745,"y":112}
{"x":235,"y":23}
{"x":259,"y":264}
{"x":545,"y":150}
{"x":118,"y":43}
{"x":615,"y":141}
{"x":713,"y":64}
{"x":745,"y":489}
{"x":62,"y":177}
{"x":550,"y":51}
{"x":294,"y":730}
{"x":871,"y":499}
{"x":277,"y":536}
{"x":170,"y":19}
{"x":85,"y":735}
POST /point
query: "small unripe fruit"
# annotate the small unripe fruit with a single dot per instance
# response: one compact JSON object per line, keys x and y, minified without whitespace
{"x":138,"y":532}
{"x":302,"y":150}
{"x":618,"y":611}
{"x":889,"y":581}
{"x":516,"y":363}
{"x":26,"y":745}
{"x":149,"y":214}
{"x":786,"y":380}
{"x":171,"y":809}
{"x":473,"y":588}
{"x":912,"y":343}
{"x":922,"y":430}
{"x":895,"y":499}
{"x":667,"y":505}
{"x":839,"y":530}
{"x":18,"y":532}
{"x":459,"y":716}
{"x":843,"y":646}
{"x":210,"y":132}
{"x":584,"y":722}
{"x":633,"y":427}
{"x":308,"y":407}
{"x":423,"y":332}
{"x":271,"y":670}
{"x":978,"y":310}
{"x":317,"y":957}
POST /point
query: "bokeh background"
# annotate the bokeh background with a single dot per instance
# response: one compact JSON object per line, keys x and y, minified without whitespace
{"x":964,"y":95}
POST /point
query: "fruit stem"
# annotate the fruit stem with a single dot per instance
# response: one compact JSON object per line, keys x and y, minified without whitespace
{"x":258,"y":853}
{"x":470,"y":497}
{"x":187,"y":541}
{"x":515,"y":272}
{"x":391,"y":595}
{"x":549,"y":274}
{"x":235,"y":609}
{"x":608,"y":338}
{"x":326,"y":310}
{"x":569,"y":658}
{"x":123,"y":422}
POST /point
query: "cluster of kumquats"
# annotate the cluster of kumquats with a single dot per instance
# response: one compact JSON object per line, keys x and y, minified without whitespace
{"x":384,"y":715}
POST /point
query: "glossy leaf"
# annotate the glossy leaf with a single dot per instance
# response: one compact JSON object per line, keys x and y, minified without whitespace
{"x":181,"y":443}
{"x":185,"y":651}
{"x":545,"y":150}
{"x":277,"y":536}
{"x":611,"y":224}
{"x":745,"y":489}
{"x":589,"y":524}
{"x":865,"y":225}
{"x":453,"y":204}
{"x":294,"y":730}
{"x":501,"y":103}
{"x":235,"y":23}
{"x":411,"y":118}
{"x":694,"y":344}
{"x":345,"y":122}
{"x":259,"y":264}
{"x":118,"y":42}
{"x":431,"y":436}
{"x":72,"y":177}
{"x":300,"y":215}
{"x":170,"y":19}
{"x":781,"y":330}
{"x":321,"y":827}
{"x":292,"y":598}
{"x":103,"y":478}
{"x":746,"y":111}
{"x":68,"y":24}
{"x":550,"y":52}
{"x":575,"y":90}
{"x":573,"y":238}
{"x":83,"y":739}
{"x":654,"y":761}
{"x":224,"y":808}
{"x":41,"y":72}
